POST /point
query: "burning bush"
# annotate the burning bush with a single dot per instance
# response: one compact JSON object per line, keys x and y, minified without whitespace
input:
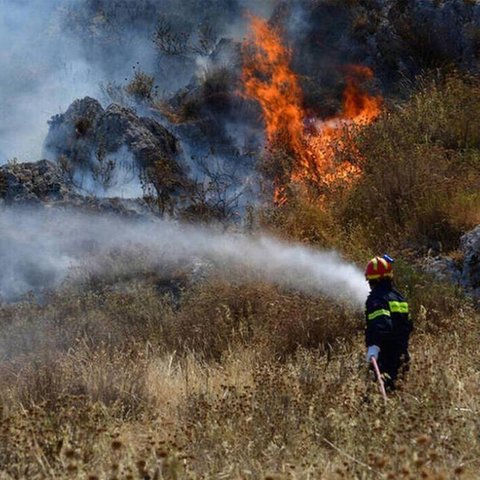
{"x":310,"y":141}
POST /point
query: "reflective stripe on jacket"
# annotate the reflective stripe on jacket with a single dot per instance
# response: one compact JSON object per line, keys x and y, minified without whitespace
{"x":387,"y":316}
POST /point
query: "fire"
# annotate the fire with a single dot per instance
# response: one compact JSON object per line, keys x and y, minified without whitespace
{"x":268,"y":78}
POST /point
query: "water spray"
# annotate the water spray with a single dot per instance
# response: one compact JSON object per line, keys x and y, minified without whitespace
{"x":49,"y":243}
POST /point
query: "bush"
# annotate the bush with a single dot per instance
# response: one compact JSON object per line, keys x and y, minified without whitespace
{"x":432,"y":303}
{"x":301,"y":221}
{"x":420,"y":169}
{"x":141,"y":87}
{"x":218,"y":316}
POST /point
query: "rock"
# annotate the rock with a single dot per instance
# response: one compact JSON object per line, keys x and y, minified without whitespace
{"x":33,"y":182}
{"x":96,"y":145}
{"x":465,"y":272}
{"x":44,"y":184}
{"x":470,"y":245}
{"x":443,"y":268}
{"x":146,"y":139}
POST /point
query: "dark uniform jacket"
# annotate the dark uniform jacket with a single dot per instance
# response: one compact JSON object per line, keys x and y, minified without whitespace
{"x":387,"y":316}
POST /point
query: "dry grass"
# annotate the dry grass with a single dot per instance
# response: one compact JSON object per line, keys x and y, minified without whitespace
{"x":247,"y":382}
{"x":141,"y":87}
{"x":420,"y":180}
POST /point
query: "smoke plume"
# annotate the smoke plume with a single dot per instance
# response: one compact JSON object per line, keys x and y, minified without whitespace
{"x":55,"y":51}
{"x":43,"y":70}
{"x":41,"y":247}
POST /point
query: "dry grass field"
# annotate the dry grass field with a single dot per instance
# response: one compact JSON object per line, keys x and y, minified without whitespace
{"x":238,"y":382}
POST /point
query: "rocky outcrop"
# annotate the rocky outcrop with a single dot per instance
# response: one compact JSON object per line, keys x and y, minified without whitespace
{"x":443,"y":268}
{"x":45,"y":184}
{"x":464,"y":271}
{"x":470,"y":245}
{"x":94,"y":144}
{"x":33,"y":183}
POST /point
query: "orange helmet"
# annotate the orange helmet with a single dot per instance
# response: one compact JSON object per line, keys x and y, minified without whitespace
{"x":378,"y":268}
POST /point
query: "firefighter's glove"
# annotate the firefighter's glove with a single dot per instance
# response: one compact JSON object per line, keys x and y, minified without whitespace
{"x":372,"y":352}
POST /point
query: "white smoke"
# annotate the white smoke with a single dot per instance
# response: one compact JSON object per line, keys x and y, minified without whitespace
{"x":117,"y":176}
{"x":39,"y":248}
{"x":54,"y":51}
{"x":43,"y":70}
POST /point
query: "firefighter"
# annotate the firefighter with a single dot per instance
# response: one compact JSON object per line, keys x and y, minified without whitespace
{"x":388,"y":322}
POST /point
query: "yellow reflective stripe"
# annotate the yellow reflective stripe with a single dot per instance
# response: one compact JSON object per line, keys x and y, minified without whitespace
{"x":375,"y":263}
{"x":398,"y":307}
{"x":383,"y":261}
{"x":378,"y":313}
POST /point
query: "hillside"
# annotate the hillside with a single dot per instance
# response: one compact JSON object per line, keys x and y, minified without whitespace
{"x":189,"y":194}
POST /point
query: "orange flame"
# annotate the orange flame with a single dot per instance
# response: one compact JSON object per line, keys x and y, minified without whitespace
{"x":268,"y":78}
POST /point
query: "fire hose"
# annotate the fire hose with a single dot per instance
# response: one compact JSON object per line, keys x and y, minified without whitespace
{"x":380,"y":379}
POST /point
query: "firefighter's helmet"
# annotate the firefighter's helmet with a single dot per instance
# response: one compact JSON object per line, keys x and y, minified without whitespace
{"x":378,"y":268}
